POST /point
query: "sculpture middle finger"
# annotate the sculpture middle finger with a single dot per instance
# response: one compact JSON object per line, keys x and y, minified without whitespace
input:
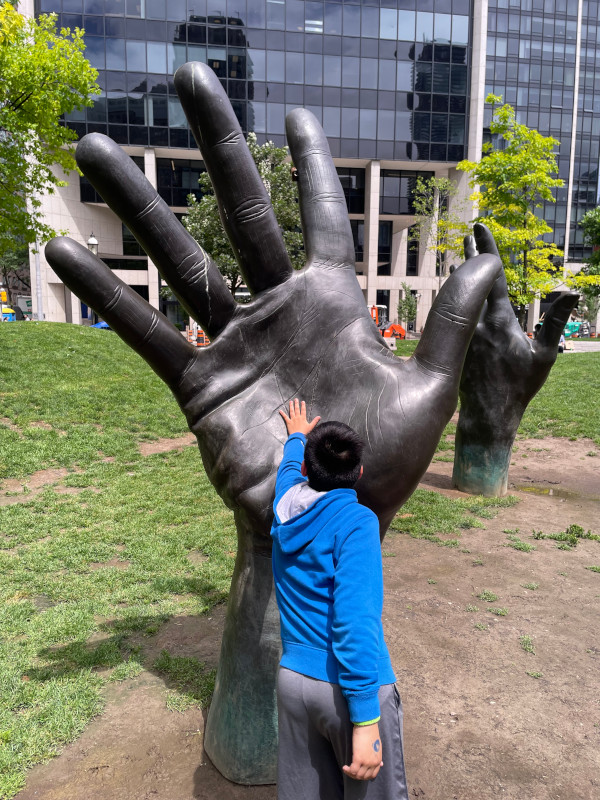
{"x":246,"y":210}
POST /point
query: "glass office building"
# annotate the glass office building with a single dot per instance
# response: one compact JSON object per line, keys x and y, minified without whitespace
{"x":398,"y":86}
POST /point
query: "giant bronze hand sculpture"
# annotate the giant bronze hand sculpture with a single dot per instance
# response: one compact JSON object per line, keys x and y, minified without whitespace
{"x":305,"y":333}
{"x":503,"y":370}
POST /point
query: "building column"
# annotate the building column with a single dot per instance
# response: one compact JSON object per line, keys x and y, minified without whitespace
{"x":573,"y":138}
{"x":476,"y":109}
{"x":153,"y":274}
{"x":371,"y":239}
{"x":533,"y":314}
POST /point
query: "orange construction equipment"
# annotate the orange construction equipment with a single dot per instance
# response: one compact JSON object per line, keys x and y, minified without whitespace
{"x":197,"y":337}
{"x":394,"y":330}
{"x":202,"y":339}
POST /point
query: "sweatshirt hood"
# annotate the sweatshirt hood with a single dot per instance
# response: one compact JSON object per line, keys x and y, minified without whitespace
{"x":301,"y":514}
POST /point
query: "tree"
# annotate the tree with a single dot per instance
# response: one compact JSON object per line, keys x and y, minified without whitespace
{"x":14,"y":270}
{"x":438,"y":225}
{"x":44,"y":75}
{"x":407,"y":305}
{"x":203,"y":220}
{"x":515,"y":180}
{"x":590,"y":223}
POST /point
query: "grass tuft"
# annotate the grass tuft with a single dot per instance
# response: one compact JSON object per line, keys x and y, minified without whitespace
{"x":518,"y":544}
{"x":488,"y":596}
{"x":526,"y":643}
{"x":562,"y":407}
{"x":432,"y":516}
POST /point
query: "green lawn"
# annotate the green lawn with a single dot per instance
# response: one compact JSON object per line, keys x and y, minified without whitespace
{"x":94,"y":564}
{"x":567,"y":404}
{"x":93,"y":396}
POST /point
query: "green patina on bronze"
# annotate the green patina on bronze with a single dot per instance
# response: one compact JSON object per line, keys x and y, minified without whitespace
{"x":481,"y":470}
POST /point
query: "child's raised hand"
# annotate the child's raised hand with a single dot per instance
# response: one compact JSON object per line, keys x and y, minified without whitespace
{"x":366,"y":753}
{"x":297,"y":421}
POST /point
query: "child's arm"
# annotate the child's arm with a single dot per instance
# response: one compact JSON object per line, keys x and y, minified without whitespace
{"x":366,"y":753}
{"x":358,"y":584}
{"x":298,"y":426}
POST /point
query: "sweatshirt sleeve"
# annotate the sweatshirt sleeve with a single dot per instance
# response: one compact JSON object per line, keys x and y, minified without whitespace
{"x":357,"y":610}
{"x":289,"y":474}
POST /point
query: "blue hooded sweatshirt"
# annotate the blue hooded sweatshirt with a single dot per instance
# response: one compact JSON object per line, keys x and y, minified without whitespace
{"x":329,"y":583}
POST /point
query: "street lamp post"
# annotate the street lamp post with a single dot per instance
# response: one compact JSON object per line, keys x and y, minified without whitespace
{"x":92,"y":246}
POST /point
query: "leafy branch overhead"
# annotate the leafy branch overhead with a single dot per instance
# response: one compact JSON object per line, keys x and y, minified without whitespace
{"x":203,"y":220}
{"x":44,"y":75}
{"x":513,"y":181}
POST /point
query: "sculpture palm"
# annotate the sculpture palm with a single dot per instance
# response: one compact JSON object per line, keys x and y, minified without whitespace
{"x":305,"y":334}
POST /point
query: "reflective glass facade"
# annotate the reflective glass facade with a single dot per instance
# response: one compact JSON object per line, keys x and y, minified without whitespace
{"x":385,"y":82}
{"x":531,"y":61}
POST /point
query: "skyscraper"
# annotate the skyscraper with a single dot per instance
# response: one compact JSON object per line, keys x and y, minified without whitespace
{"x":398,"y":86}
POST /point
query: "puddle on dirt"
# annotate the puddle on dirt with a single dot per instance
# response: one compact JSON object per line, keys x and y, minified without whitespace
{"x":551,"y":491}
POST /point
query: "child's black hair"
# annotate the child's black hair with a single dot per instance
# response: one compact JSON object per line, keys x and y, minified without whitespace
{"x":332,"y":457}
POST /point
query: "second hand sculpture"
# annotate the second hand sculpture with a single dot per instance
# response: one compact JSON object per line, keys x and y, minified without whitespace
{"x":305,"y":333}
{"x":503,"y":371}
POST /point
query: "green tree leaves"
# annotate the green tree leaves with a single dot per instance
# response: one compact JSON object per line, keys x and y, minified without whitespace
{"x":407,"y":305}
{"x":514,"y":179}
{"x":44,"y":75}
{"x":590,"y":223}
{"x":439,"y":225}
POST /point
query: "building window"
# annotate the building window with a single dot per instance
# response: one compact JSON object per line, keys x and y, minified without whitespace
{"x":177,"y":178}
{"x":384,"y":249}
{"x":131,"y":246}
{"x":353,"y":184}
{"x":383,"y":299}
{"x":127,"y":263}
{"x":358,"y":234}
{"x":412,"y":255}
{"x":396,"y":190}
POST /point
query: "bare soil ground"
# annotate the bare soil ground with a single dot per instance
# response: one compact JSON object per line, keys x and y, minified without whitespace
{"x":477,"y":725}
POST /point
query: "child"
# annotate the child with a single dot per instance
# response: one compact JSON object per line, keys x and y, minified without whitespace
{"x":340,"y":717}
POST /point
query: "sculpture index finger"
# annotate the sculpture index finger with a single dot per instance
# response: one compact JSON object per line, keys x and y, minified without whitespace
{"x":189,"y":271}
{"x":246,"y":211}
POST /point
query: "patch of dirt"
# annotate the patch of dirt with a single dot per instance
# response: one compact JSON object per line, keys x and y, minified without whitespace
{"x":477,"y":725}
{"x":8,"y":423}
{"x":114,"y":562}
{"x":44,"y":425}
{"x":196,"y":557}
{"x":164,"y":445}
{"x":18,"y":490}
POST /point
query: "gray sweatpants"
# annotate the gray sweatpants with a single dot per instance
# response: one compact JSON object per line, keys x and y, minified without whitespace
{"x":315,"y":741}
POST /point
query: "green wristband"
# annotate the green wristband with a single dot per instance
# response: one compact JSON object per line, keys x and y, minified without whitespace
{"x":364,"y":724}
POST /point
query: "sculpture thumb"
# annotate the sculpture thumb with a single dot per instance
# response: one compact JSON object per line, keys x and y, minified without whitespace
{"x":454,"y":316}
{"x":555,"y":320}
